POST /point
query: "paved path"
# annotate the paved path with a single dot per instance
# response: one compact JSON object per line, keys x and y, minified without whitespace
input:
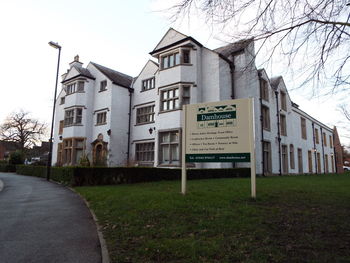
{"x":44,"y":222}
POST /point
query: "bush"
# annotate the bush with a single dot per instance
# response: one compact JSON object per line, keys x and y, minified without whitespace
{"x":16,"y":158}
{"x":5,"y":168}
{"x":79,"y":176}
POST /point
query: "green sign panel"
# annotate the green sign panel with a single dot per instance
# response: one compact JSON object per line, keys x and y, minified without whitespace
{"x":218,"y":157}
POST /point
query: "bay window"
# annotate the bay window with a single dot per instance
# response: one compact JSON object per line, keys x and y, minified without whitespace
{"x":169,"y":148}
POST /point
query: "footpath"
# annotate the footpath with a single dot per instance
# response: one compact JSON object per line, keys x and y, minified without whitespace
{"x":44,"y":222}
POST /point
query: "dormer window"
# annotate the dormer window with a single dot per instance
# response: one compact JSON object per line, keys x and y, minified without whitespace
{"x":185,"y":56}
{"x":170,"y":60}
{"x":80,"y":86}
{"x":177,"y":57}
{"x":63,"y":99}
{"x":70,"y":88}
{"x":103,"y":85}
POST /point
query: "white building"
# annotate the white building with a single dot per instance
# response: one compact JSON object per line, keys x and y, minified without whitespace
{"x":92,"y":116}
{"x":287,"y":140}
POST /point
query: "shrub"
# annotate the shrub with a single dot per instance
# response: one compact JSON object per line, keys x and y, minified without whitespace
{"x":16,"y":158}
{"x":79,"y":176}
{"x":7,"y":168}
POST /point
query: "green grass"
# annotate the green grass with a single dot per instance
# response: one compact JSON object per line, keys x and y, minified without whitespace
{"x":294,"y":219}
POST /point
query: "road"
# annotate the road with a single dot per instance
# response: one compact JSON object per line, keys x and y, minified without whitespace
{"x":42,"y":221}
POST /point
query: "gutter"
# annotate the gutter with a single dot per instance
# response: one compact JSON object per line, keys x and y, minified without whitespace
{"x":278,"y":133}
{"x":324,"y":164}
{"x":315,"y":151}
{"x":262,"y":126}
{"x":130,"y":100}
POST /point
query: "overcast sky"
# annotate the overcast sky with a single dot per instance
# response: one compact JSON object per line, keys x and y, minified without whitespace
{"x":114,"y":33}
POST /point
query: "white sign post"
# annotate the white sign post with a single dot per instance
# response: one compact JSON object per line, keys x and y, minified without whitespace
{"x":219,"y":132}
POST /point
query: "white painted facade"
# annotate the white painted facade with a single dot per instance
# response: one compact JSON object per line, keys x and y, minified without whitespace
{"x":188,"y":72}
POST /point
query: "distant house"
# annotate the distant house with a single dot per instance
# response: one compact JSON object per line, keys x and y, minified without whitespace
{"x":6,"y":148}
{"x":115,"y":118}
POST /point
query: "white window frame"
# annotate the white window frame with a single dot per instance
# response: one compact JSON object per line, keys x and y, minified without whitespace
{"x":73,"y":116}
{"x":103,"y":85}
{"x":148,"y":84}
{"x":145,"y":114}
{"x":173,"y":100}
{"x":144,"y":152}
{"x":168,"y":146}
{"x":101,"y":118}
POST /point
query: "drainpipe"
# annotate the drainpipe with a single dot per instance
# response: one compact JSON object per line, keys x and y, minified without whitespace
{"x":324,"y":164}
{"x":315,"y":151}
{"x":262,"y":125}
{"x":278,"y":133}
{"x":130,"y":99}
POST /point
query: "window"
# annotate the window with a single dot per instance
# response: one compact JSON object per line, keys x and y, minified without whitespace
{"x":148,"y":84}
{"x":73,"y":116}
{"x":80,"y":86}
{"x":283,"y":125}
{"x":101,"y":118}
{"x":300,"y":161}
{"x":103,"y":85}
{"x":283,"y":101}
{"x":171,"y":99}
{"x":316,"y":136}
{"x":303,"y":128}
{"x":266,"y":118}
{"x":170,"y":60}
{"x":145,"y":152}
{"x":324,"y":139}
{"x":145,"y":115}
{"x":59,"y":154}
{"x":267,"y":157}
{"x":326,"y":163}
{"x":284,"y":159}
{"x":291,"y":156}
{"x":264,"y":90}
{"x":63,"y":100}
{"x":169,"y":148}
{"x":73,"y":149}
{"x":70,"y":88}
{"x":318,"y":163}
{"x":332,"y":162}
{"x":309,"y":155}
{"x":185,"y":95}
{"x":60,"y":128}
{"x":185,"y":56}
{"x":330,"y":141}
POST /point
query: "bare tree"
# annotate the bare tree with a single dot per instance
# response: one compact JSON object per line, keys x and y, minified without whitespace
{"x":343,"y":108}
{"x":19,"y":127}
{"x":313,"y":33}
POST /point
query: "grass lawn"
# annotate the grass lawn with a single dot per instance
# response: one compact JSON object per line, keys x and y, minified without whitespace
{"x":294,"y":219}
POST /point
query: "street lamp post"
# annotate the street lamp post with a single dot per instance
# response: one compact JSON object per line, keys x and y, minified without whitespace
{"x":49,"y":159}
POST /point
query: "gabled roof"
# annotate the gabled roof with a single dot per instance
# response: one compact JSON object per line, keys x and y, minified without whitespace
{"x":83,"y":72}
{"x":275,"y":81}
{"x":233,"y":47}
{"x":172,"y":38}
{"x":171,"y":35}
{"x":116,"y":77}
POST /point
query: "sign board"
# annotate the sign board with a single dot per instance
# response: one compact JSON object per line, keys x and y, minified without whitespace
{"x":219,"y":132}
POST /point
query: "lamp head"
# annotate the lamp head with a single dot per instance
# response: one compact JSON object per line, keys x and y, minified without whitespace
{"x":54,"y":45}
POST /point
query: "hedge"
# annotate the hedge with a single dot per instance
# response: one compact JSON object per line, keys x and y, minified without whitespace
{"x":81,"y":176}
{"x":7,"y":168}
